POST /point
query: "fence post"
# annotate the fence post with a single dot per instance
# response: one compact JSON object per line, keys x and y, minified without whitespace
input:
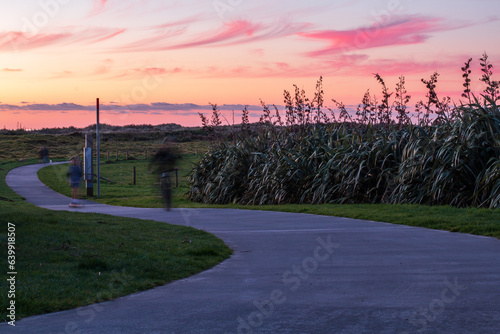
{"x":146,"y":154}
{"x":116,"y":155}
{"x":108,"y":156}
{"x":177,"y":178}
{"x":134,"y":176}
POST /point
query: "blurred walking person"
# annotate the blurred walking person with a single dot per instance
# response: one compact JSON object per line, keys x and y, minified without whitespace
{"x":163,"y":164}
{"x":74,"y":176}
{"x":43,"y":153}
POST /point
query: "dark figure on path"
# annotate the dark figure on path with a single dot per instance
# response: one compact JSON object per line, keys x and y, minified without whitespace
{"x":43,"y":154}
{"x":163,"y":164}
{"x":74,"y":175}
{"x":166,"y":189}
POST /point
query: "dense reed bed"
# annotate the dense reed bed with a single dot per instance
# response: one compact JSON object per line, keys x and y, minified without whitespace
{"x":442,"y":155}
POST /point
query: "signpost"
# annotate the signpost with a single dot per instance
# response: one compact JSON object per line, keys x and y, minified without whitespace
{"x":88,"y":172}
{"x":98,"y":153}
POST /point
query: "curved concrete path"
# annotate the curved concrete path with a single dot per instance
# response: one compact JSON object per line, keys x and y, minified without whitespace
{"x":297,"y":273}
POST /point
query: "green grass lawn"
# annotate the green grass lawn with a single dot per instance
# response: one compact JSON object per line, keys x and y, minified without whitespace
{"x":122,"y":192}
{"x":65,"y":260}
{"x":468,"y":220}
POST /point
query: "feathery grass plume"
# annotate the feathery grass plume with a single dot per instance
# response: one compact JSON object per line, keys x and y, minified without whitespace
{"x":400,"y":103}
{"x":205,"y":122}
{"x":278,"y":121}
{"x":365,"y":111}
{"x":318,"y":103}
{"x":424,"y":109}
{"x":266,"y":117}
{"x":384,"y":110}
{"x":245,"y":121}
{"x":344,"y":116}
{"x":290,"y":114}
{"x":491,"y":90}
{"x":216,"y":121}
{"x":466,"y":75}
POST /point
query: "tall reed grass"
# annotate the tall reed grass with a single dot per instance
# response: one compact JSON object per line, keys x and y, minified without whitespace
{"x":448,"y":156}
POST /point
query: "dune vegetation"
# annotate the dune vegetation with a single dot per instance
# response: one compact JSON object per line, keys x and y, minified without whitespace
{"x":436,"y":153}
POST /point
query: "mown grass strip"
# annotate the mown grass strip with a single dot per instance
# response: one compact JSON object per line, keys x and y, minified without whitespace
{"x":65,"y":260}
{"x":122,"y":192}
{"x":465,"y":220}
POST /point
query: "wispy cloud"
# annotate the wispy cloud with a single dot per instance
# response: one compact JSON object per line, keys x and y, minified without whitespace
{"x":12,"y":70}
{"x":21,"y":41}
{"x":282,"y":69}
{"x":231,"y":33}
{"x":360,"y":65}
{"x":62,"y":74}
{"x":159,"y":41}
{"x":401,"y":30}
{"x":406,"y":67}
{"x":98,"y":7}
{"x":143,"y":72}
{"x":179,"y":23}
{"x":104,"y":68}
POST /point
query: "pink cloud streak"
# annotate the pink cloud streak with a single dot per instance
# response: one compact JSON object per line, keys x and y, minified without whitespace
{"x":136,"y":73}
{"x":21,"y":41}
{"x":98,"y":7}
{"x":232,"y":33}
{"x":405,"y":31}
{"x":15,"y":41}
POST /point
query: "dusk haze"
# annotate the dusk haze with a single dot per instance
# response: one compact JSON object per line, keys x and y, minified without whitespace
{"x":154,"y":62}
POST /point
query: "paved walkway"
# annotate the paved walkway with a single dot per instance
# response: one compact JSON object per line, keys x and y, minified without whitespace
{"x":297,"y":273}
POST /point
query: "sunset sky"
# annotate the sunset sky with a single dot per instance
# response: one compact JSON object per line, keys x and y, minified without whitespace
{"x":152,"y":61}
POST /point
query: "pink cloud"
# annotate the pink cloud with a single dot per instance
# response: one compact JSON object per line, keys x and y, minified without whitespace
{"x":17,"y":41}
{"x":393,"y":67}
{"x":181,"y":22}
{"x":104,"y":68}
{"x":101,"y":70}
{"x":340,"y":64}
{"x":402,"y":31}
{"x":258,"y":52}
{"x":232,"y":33}
{"x":98,"y":7}
{"x":152,"y":43}
{"x":348,"y":64}
{"x":12,"y":70}
{"x":136,"y":73}
{"x":96,"y":35}
{"x":63,"y":74}
{"x":21,"y":41}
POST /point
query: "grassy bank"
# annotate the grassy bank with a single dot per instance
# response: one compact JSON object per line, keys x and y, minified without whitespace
{"x":25,"y":145}
{"x":65,"y":260}
{"x":144,"y":194}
